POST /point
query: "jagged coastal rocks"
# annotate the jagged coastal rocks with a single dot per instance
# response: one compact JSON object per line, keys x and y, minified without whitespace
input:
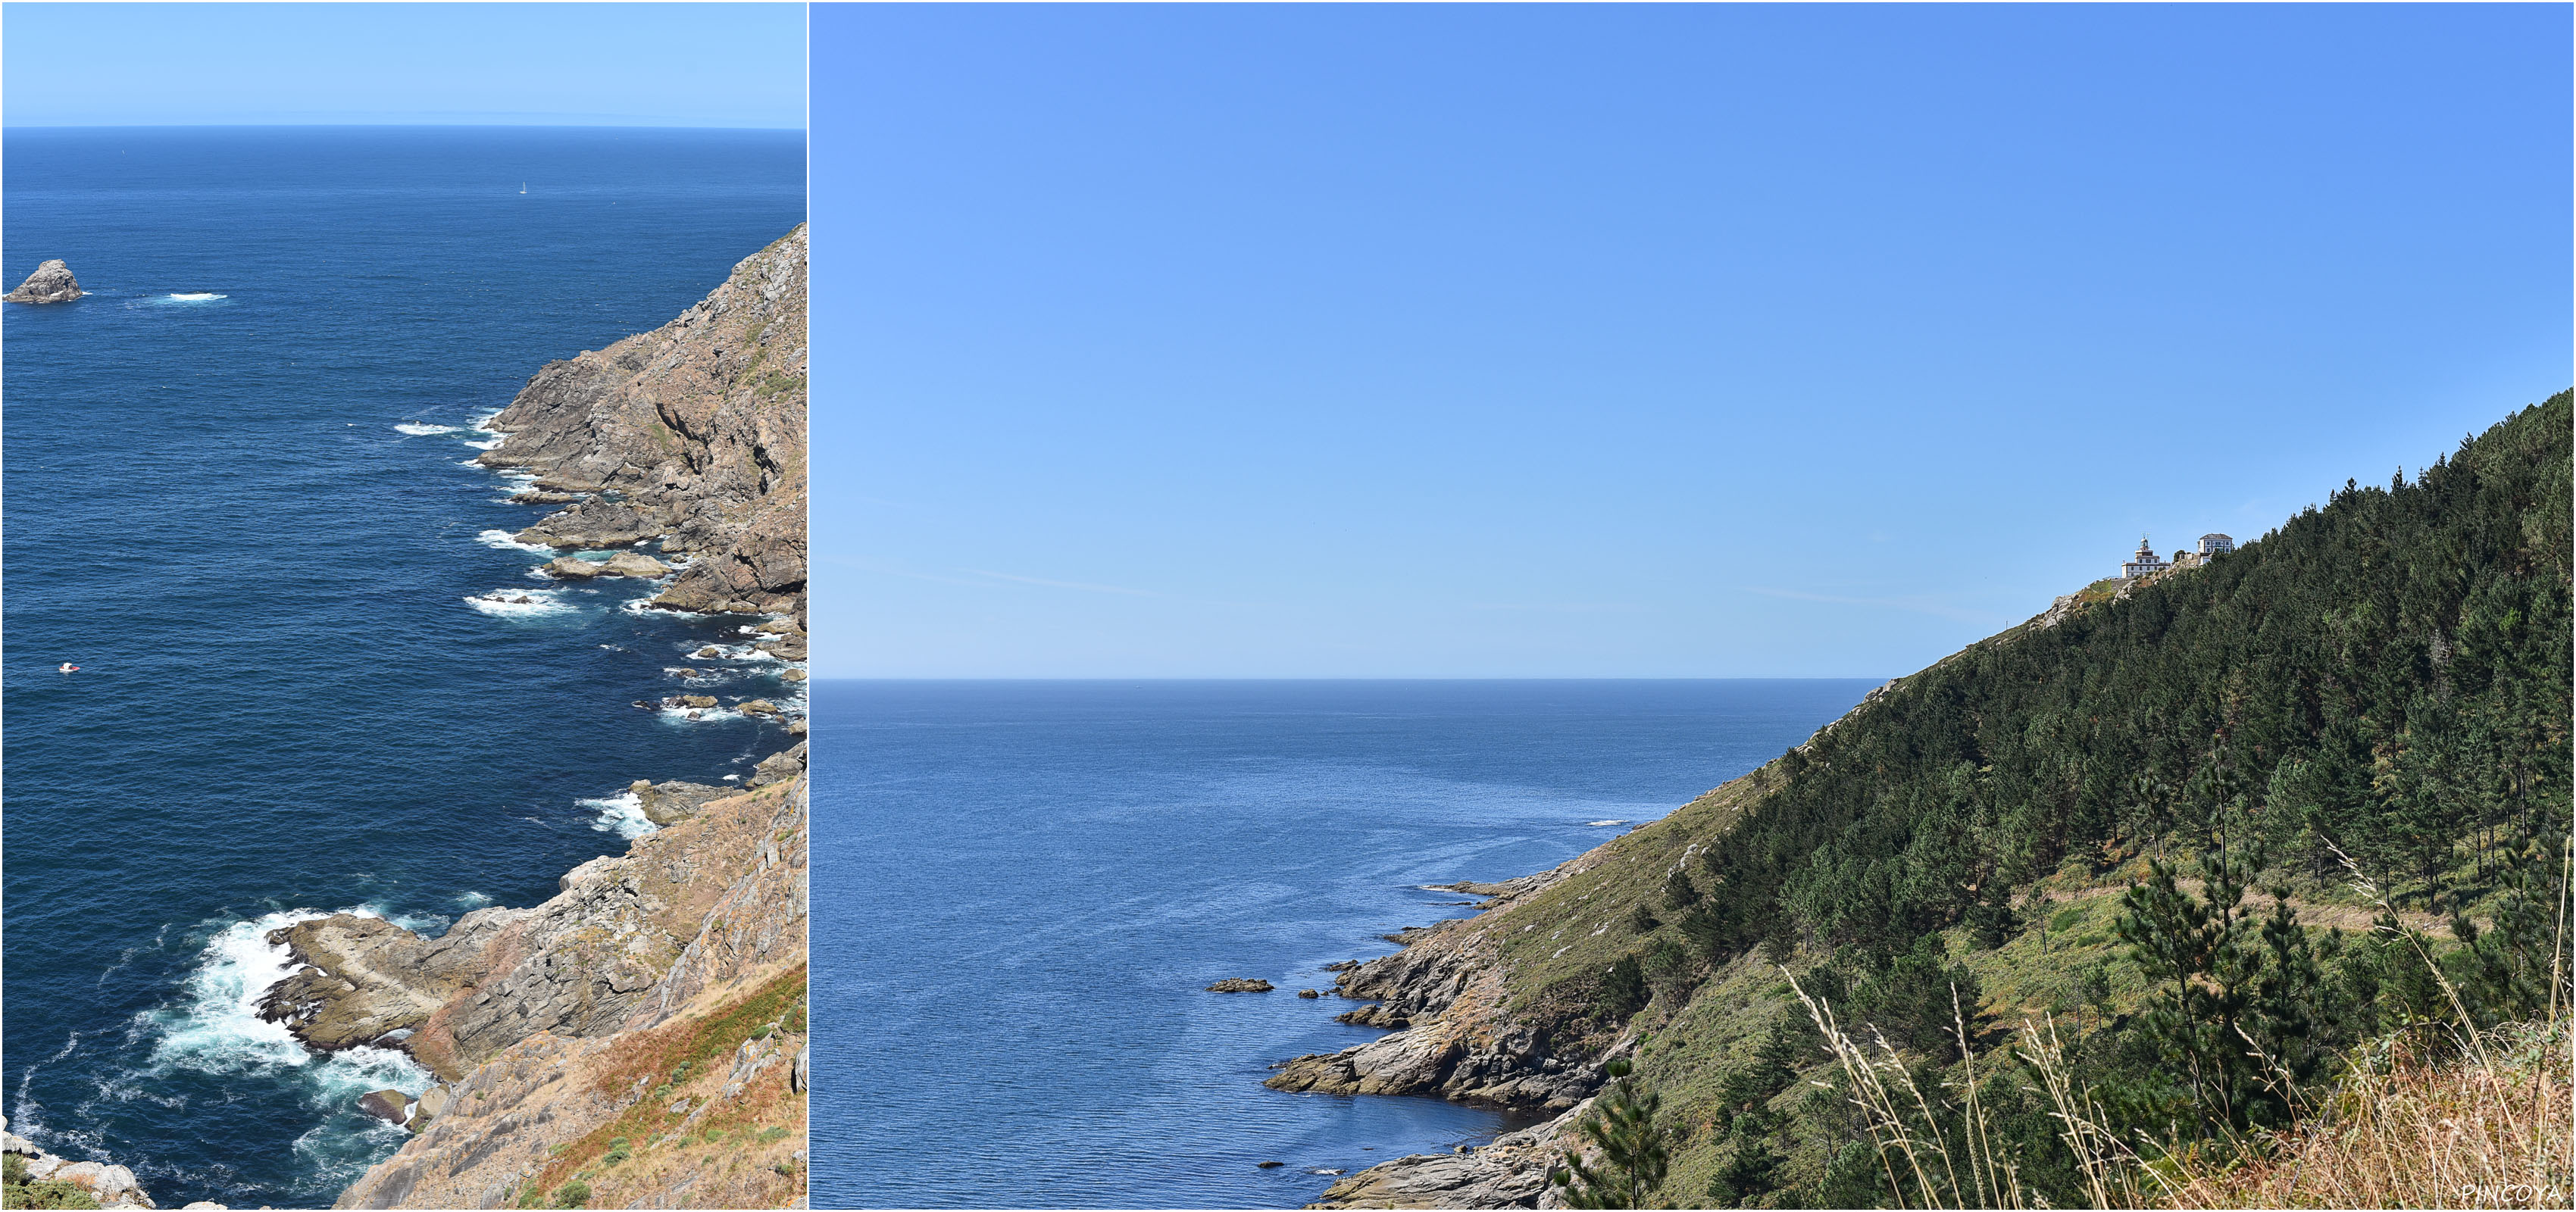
{"x":692,"y":434}
{"x":51,"y":283}
{"x":639,"y":1038}
{"x":51,"y":1178}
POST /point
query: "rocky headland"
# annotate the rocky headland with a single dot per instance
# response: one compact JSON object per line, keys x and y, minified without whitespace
{"x":637,"y":1040}
{"x":51,"y":283}
{"x":692,"y":435}
{"x":1495,"y":1009}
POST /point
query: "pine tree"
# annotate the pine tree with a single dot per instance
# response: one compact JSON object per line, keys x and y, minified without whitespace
{"x":1634,"y":1150}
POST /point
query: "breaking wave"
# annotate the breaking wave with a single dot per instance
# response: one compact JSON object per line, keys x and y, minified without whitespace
{"x":502,"y":540}
{"x":519,"y":603}
{"x":621,"y":814}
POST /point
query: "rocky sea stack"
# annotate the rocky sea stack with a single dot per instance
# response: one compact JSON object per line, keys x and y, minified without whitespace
{"x":51,"y":283}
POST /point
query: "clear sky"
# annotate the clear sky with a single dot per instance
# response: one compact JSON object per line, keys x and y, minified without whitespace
{"x":1633,"y":341}
{"x":737,"y":65}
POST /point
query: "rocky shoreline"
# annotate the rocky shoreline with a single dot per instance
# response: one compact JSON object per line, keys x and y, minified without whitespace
{"x":106,"y":1184}
{"x":690,"y":437}
{"x":1453,"y":1034}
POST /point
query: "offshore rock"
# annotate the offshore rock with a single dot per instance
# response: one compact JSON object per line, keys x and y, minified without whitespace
{"x":698,"y":427}
{"x":51,"y":283}
{"x":391,"y":1106}
{"x":1240,"y":984}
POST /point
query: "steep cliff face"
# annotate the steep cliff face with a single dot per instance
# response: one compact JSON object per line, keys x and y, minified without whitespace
{"x":578,"y":965}
{"x":686,"y":1089}
{"x":692,"y":434}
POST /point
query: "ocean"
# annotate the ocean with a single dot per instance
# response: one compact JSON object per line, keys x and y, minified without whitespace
{"x":1023,"y":888}
{"x":239,"y":497}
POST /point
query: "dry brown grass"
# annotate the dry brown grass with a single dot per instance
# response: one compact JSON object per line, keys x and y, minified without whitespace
{"x":2488,"y":1130}
{"x":2472,"y":1119}
{"x":2493,"y":1126}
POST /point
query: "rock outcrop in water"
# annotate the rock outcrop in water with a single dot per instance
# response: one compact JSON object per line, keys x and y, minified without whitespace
{"x":51,"y":283}
{"x":693,"y":434}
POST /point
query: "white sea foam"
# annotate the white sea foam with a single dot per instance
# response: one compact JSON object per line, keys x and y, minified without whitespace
{"x":418,"y":430}
{"x":621,"y":814}
{"x":734,"y":652}
{"x":645,"y":606}
{"x":698,"y":715}
{"x":501,"y":540}
{"x":432,"y":924}
{"x":472,"y":900}
{"x":519,"y":603}
{"x":486,"y":444}
{"x":193,"y":296}
{"x":483,"y":424}
{"x":215,"y":1026}
{"x":1598,"y":824}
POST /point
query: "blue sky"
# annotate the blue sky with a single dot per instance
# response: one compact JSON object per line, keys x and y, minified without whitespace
{"x":730,"y":65}
{"x":1463,"y":341}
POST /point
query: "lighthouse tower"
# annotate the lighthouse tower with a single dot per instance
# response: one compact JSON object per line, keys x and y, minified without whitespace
{"x":2144,"y":562}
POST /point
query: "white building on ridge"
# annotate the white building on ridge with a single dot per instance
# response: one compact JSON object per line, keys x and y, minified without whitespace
{"x":2146,"y":561}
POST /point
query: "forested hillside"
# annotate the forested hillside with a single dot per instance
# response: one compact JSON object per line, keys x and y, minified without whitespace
{"x":2385,"y":680}
{"x":2221,"y":833}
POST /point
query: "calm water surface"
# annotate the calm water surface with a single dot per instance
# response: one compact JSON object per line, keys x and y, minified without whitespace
{"x":235,"y":499}
{"x":1021,"y":890}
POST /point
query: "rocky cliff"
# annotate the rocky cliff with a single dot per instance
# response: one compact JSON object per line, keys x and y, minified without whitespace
{"x":641,"y":1035}
{"x":692,"y":434}
{"x":51,"y":283}
{"x":638,"y":1040}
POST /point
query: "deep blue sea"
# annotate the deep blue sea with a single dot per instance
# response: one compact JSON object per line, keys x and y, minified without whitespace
{"x":237,"y":497}
{"x":1022,"y":889}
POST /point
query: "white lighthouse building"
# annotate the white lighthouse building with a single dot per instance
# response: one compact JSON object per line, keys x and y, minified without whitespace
{"x":2146,"y":561}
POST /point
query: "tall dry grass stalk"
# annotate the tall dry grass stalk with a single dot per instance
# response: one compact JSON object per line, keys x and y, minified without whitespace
{"x":2489,"y":1130}
{"x":2491,"y":1126}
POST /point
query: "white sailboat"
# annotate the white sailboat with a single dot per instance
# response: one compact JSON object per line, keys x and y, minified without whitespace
{"x":523,"y":187}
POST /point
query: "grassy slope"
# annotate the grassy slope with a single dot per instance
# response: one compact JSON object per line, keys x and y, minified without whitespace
{"x":738,"y":1154}
{"x":1557,"y":944}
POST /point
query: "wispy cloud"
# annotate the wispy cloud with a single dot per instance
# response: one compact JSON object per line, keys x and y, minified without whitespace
{"x":1562,"y":607}
{"x":1085,"y":587}
{"x":1914,"y":605}
{"x":983,"y":578}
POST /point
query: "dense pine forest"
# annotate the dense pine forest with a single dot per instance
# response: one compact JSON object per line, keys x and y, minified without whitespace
{"x":2226,"y":832}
